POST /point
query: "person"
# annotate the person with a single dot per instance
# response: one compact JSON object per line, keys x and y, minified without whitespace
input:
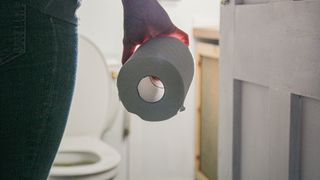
{"x":38,"y":62}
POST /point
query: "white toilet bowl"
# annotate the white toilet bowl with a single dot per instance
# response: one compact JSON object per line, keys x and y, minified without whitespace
{"x":82,"y":154}
{"x":85,"y":158}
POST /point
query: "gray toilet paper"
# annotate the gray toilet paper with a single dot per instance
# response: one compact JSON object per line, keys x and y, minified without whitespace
{"x":169,"y":60}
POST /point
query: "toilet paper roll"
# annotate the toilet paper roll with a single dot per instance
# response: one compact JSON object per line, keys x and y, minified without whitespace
{"x":167,"y":59}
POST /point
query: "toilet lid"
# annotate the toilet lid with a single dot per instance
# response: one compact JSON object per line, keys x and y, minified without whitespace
{"x":95,"y":101}
{"x":108,"y":157}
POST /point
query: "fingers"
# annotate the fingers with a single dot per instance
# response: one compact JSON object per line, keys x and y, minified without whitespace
{"x":128,"y":50}
{"x":131,"y":44}
{"x":182,"y":36}
{"x":179,"y":34}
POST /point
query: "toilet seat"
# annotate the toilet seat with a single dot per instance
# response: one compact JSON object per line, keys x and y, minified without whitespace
{"x":109,"y":158}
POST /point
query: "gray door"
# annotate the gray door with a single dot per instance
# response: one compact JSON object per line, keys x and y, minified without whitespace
{"x":269,"y":124}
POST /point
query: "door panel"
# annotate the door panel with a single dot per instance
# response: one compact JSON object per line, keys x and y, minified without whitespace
{"x":270,"y":90}
{"x":310,"y":133}
{"x":305,"y":159}
{"x":277,"y":44}
{"x":253,"y":1}
{"x":254,"y":131}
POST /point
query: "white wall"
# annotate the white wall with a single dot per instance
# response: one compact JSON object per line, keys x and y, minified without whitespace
{"x":164,"y":150}
{"x":101,"y":20}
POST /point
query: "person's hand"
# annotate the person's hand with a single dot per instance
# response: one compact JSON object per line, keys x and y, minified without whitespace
{"x":144,"y":21}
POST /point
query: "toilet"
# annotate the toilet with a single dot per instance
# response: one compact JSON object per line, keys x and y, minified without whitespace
{"x":82,"y":154}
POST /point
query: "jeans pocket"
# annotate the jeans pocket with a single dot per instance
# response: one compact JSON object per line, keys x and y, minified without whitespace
{"x":12,"y":31}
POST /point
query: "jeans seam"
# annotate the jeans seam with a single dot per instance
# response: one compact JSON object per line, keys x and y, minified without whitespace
{"x":19,"y":34}
{"x":50,"y":94}
{"x":48,"y":4}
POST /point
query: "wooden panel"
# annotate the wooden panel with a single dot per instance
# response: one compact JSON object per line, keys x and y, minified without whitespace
{"x":206,"y":33}
{"x":209,"y":117}
{"x":207,"y":111}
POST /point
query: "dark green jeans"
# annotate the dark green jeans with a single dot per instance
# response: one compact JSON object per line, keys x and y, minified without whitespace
{"x":37,"y":78}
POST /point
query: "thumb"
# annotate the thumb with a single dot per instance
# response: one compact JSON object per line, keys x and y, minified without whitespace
{"x":128,"y":50}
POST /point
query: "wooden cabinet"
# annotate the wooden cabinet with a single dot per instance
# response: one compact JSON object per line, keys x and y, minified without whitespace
{"x":207,"y":100}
